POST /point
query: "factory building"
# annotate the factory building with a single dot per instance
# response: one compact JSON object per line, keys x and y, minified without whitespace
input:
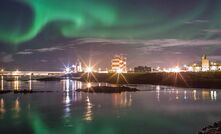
{"x":204,"y":66}
{"x":77,"y":67}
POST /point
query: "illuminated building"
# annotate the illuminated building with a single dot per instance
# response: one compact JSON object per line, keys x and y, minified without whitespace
{"x":119,"y":64}
{"x":77,"y":67}
{"x":205,"y":65}
{"x":142,"y":69}
{"x":194,"y":68}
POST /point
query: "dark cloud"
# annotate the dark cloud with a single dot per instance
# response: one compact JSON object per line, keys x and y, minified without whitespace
{"x":6,"y":58}
{"x":24,"y":53}
{"x":49,"y":49}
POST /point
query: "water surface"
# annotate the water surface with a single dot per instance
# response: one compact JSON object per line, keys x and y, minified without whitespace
{"x":154,"y":110}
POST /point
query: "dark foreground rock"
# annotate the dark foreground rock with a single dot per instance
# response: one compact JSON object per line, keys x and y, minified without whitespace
{"x":5,"y":91}
{"x":24,"y":91}
{"x":106,"y":89}
{"x":214,"y":129}
{"x":50,"y":79}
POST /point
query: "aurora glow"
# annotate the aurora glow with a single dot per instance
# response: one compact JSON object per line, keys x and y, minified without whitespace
{"x":128,"y":19}
{"x":57,"y":32}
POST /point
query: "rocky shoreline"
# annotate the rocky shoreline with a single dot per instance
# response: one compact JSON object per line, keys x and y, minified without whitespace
{"x":106,"y":89}
{"x":24,"y":91}
{"x":212,"y":129}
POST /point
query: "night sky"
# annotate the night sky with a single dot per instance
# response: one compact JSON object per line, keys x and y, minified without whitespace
{"x":48,"y":34}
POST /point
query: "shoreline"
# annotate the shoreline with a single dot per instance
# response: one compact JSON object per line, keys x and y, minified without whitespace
{"x":107,"y":89}
{"x":211,"y":129}
{"x":183,"y":79}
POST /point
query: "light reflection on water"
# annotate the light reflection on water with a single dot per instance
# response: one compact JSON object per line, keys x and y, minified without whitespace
{"x":88,"y":85}
{"x":88,"y":114}
{"x":70,"y":85}
{"x":161,"y":106}
{"x":17,"y":108}
{"x":122,"y":99}
{"x":2,"y":108}
{"x":186,"y":94}
{"x":30,"y":84}
{"x":16,"y":83}
{"x":67,"y":104}
{"x":2,"y":82}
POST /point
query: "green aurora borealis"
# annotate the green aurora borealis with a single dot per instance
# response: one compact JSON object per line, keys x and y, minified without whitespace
{"x":56,"y":32}
{"x":127,"y":19}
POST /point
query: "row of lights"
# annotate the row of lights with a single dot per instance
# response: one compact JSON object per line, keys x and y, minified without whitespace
{"x":88,"y":69}
{"x":16,"y":72}
{"x":175,"y":69}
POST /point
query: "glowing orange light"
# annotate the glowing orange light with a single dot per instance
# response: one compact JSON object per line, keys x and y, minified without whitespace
{"x":119,"y":71}
{"x":89,"y":69}
{"x":88,"y":85}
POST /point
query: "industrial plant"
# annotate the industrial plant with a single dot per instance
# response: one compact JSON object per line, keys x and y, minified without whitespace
{"x":204,"y":66}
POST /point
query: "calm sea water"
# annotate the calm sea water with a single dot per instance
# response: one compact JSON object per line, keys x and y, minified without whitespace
{"x":154,"y":110}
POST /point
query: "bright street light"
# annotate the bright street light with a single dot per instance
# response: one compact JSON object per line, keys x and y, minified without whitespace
{"x":67,"y":70}
{"x":89,"y":69}
{"x":176,"y":69}
{"x":119,"y":71}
